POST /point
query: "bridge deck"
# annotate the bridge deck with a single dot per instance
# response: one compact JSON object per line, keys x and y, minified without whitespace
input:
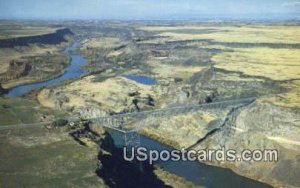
{"x":117,"y":121}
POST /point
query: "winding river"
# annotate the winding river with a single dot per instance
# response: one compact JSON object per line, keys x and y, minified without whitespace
{"x":72,"y":71}
{"x":198,"y":173}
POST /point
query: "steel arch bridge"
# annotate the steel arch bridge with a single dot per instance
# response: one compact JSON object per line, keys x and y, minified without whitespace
{"x":118,"y":122}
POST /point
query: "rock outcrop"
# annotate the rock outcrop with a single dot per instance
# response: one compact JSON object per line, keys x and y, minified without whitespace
{"x":117,"y":95}
{"x":2,"y":90}
{"x":262,"y":126}
{"x":50,"y":38}
{"x":17,"y":69}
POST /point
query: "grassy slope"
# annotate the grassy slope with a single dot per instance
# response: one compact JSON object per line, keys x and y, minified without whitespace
{"x":33,"y":158}
{"x":12,"y":31}
{"x":272,"y":63}
{"x":22,"y":111}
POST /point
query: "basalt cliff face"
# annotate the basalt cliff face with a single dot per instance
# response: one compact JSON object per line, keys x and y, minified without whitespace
{"x":16,"y":70}
{"x":2,"y":90}
{"x":50,"y":38}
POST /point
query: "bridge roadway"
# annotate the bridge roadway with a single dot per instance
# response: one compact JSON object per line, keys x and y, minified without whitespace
{"x":117,"y":121}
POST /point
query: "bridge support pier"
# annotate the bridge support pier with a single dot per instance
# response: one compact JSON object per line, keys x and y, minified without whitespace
{"x":132,"y":139}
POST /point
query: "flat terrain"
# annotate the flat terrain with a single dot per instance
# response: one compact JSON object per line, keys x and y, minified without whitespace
{"x":34,"y":156}
{"x":192,"y":63}
{"x":33,"y":62}
{"x":14,"y":30}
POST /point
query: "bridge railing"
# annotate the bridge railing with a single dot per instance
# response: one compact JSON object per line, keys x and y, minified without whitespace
{"x":119,"y":120}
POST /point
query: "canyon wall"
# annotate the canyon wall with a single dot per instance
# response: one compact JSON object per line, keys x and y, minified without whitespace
{"x":50,"y":38}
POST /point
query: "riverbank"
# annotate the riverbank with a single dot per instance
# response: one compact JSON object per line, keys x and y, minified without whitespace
{"x":112,"y":167}
{"x":191,"y":68}
{"x":238,"y":134}
{"x":21,"y":83}
{"x":33,"y":67}
{"x":72,"y":71}
{"x":116,"y":92}
{"x":200,"y":174}
{"x":32,"y":54}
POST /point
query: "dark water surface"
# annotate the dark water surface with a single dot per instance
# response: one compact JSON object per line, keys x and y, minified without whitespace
{"x":196,"y":172}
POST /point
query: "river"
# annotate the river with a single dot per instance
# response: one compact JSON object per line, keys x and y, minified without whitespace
{"x":196,"y":172}
{"x":72,"y":71}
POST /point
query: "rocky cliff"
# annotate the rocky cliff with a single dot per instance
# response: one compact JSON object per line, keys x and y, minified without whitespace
{"x":50,"y":38}
{"x":2,"y":90}
{"x":16,"y":69}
